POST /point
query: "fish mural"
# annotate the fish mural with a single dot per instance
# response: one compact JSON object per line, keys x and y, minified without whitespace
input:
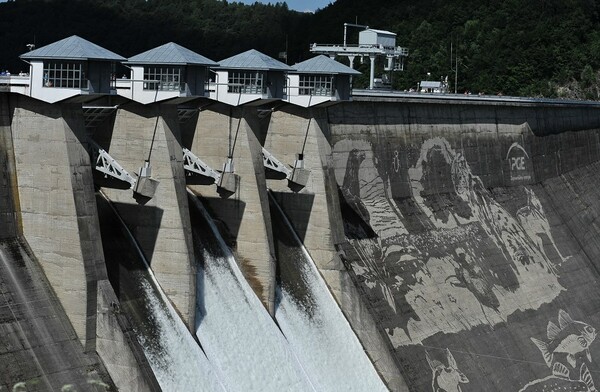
{"x":570,"y":338}
{"x":446,"y":378}
{"x":560,"y":381}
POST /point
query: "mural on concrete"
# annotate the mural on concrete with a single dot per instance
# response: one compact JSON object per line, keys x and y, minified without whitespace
{"x":570,"y":337}
{"x":534,"y":221}
{"x":445,"y":255}
{"x":560,"y":381}
{"x":445,"y":378}
{"x":568,"y":341}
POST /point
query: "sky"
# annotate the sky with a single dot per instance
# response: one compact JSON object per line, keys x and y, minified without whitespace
{"x":298,"y":5}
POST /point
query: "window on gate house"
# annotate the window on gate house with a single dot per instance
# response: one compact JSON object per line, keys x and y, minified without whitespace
{"x":64,"y":74}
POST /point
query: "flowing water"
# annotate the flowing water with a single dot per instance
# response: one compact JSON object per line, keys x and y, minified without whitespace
{"x":174,"y":356}
{"x":312,"y":322}
{"x":233,"y":327}
{"x":312,"y":349}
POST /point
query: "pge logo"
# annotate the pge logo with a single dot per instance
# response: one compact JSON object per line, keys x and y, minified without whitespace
{"x":519,"y":163}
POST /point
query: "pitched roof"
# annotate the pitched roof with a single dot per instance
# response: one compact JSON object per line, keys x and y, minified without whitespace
{"x":380,"y":31}
{"x":171,"y":53}
{"x":73,"y":48}
{"x":322,"y":64}
{"x":253,"y":59}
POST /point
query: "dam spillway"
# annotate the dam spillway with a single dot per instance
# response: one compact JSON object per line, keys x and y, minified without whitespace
{"x":454,"y":237}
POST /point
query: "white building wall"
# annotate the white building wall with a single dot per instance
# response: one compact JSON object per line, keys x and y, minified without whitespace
{"x":17,"y":84}
{"x":137,"y":92}
{"x":219,"y":92}
{"x":43,"y":93}
{"x":294,"y":97}
{"x":371,"y":37}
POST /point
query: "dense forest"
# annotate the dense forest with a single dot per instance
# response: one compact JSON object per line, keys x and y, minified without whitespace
{"x":515,"y":47}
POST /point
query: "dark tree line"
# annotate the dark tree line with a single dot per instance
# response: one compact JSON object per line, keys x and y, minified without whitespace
{"x":516,"y":47}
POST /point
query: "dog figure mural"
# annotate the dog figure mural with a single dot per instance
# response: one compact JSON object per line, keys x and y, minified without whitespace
{"x":446,"y":378}
{"x":534,"y":221}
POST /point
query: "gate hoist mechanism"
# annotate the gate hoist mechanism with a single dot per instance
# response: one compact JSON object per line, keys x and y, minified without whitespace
{"x":297,"y":176}
{"x":106,"y":164}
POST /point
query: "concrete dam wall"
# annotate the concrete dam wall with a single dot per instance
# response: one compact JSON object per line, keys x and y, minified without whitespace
{"x":39,"y":347}
{"x":470,"y":231}
{"x":438,"y":244}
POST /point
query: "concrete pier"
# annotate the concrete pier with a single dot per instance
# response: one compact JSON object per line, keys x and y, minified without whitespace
{"x":58,"y":210}
{"x":50,"y":221}
{"x":10,"y":219}
{"x":244,"y":214}
{"x":315,"y":214}
{"x":161,"y":225}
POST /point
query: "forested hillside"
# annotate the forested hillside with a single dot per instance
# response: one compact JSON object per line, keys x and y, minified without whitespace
{"x":516,"y":47}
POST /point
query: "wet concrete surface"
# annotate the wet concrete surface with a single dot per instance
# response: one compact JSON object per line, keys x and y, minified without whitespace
{"x":39,"y":350}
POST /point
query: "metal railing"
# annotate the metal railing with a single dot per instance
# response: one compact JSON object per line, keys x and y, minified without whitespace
{"x":364,"y":49}
{"x":14,"y":80}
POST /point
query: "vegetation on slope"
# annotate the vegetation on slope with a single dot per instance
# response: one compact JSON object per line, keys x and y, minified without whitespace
{"x":516,"y":47}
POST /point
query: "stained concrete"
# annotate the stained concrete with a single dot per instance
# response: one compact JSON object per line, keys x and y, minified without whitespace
{"x":10,"y":220}
{"x":41,"y":350}
{"x":469,"y":231}
{"x":459,"y":238}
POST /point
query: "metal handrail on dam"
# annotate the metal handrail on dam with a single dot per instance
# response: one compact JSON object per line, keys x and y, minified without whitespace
{"x":367,"y":95}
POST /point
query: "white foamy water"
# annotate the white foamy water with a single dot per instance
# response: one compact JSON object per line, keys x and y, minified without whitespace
{"x":235,"y":330}
{"x":320,"y":335}
{"x":175,"y":357}
{"x":177,"y":361}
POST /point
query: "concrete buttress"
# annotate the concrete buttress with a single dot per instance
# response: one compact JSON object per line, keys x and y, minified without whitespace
{"x":245,"y":216}
{"x":58,"y":206}
{"x":315,"y":214}
{"x":10,"y":219}
{"x":160,"y":225}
